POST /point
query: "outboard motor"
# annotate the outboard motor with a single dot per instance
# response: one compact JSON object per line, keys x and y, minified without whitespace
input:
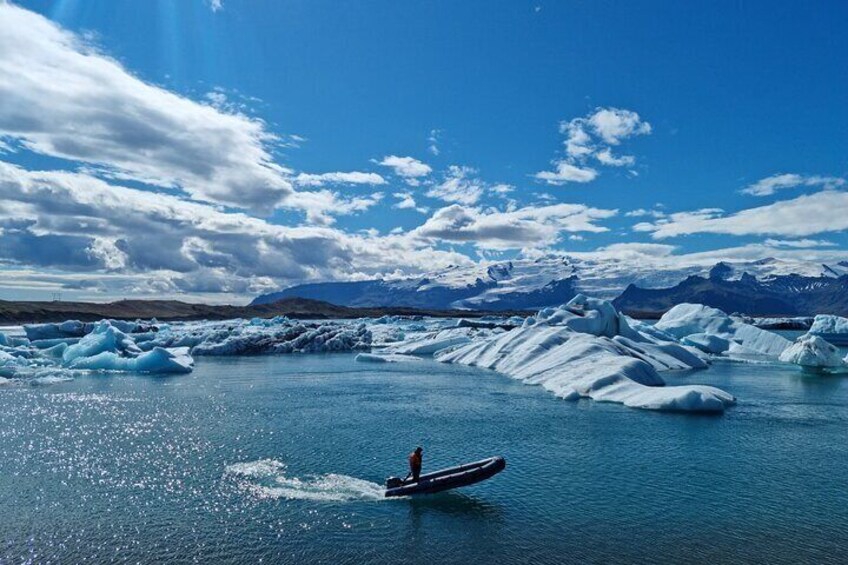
{"x":394,"y":482}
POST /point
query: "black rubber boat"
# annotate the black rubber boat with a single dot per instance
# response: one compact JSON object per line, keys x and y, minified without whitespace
{"x":446,"y":479}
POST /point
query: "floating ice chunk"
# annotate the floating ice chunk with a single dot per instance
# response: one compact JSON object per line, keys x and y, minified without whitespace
{"x":49,"y":343}
{"x":827,"y":324}
{"x":687,"y":319}
{"x":385,"y":358}
{"x":432,"y":342}
{"x":51,"y":378}
{"x":574,"y":365}
{"x":156,"y":361}
{"x":285,"y":338}
{"x":384,"y":333}
{"x":707,"y":343}
{"x":105,"y":338}
{"x":75,"y":328}
{"x":811,"y":351}
{"x":68,"y":328}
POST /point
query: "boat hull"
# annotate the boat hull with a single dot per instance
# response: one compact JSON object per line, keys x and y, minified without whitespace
{"x":451,"y":478}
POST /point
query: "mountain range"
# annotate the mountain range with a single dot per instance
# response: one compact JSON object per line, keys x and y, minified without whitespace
{"x":766,"y":287}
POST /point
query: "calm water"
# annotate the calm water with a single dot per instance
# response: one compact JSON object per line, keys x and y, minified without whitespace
{"x":280,"y":459}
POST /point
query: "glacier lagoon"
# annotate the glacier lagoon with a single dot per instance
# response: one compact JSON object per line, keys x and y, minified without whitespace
{"x":281,"y":458}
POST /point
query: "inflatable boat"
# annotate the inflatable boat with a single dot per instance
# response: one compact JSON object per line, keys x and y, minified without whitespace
{"x":446,"y":479}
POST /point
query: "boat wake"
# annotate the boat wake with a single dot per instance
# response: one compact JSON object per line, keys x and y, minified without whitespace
{"x":267,"y":479}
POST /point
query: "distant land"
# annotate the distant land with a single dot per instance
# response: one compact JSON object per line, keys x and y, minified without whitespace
{"x":16,"y":312}
{"x":766,"y":287}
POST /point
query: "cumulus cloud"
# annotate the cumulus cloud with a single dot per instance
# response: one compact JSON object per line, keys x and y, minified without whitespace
{"x":322,"y":206}
{"x":799,"y":217}
{"x":409,"y":168}
{"x":406,"y":201}
{"x":614,"y":124}
{"x":354,"y":177}
{"x":770,"y":185}
{"x":63,"y":98}
{"x":566,"y":172}
{"x":459,"y":185}
{"x":79,"y":223}
{"x":590,"y":138}
{"x":532,"y":226}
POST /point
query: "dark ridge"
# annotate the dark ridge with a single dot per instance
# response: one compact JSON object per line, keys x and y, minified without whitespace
{"x":784,"y":295}
{"x":20,"y":312}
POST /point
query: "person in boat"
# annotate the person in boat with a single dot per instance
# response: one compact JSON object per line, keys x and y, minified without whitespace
{"x":415,"y":461}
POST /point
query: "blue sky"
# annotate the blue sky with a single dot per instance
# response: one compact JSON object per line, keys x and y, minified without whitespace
{"x":714,"y":128}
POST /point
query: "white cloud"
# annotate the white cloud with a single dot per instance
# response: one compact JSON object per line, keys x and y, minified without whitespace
{"x":769,"y":185}
{"x":406,"y":201}
{"x":459,"y":185}
{"x":433,"y":140}
{"x":409,"y":168}
{"x":73,"y":223}
{"x":642,"y":212}
{"x":321,"y":206}
{"x":63,"y":98}
{"x":532,"y":226}
{"x":798,"y":243}
{"x":591,"y":137}
{"x":803,"y":216}
{"x":614,"y":124}
{"x":355,"y":177}
{"x":501,"y":189}
{"x":605,"y":157}
{"x":216,"y":5}
{"x":566,"y":172}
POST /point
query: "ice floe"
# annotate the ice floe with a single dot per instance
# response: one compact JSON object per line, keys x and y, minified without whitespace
{"x":587,"y":349}
{"x":813,"y":352}
{"x":385,"y":358}
{"x":697,"y":322}
{"x":827,"y":324}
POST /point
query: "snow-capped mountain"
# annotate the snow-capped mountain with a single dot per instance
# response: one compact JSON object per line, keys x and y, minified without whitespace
{"x":554,"y":279}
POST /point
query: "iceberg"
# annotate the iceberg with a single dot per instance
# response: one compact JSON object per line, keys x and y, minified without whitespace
{"x":813,"y":352}
{"x":685,"y":320}
{"x":288,"y":337}
{"x":430,"y":343}
{"x":385,"y":358}
{"x":104,"y":338}
{"x":156,"y":361}
{"x":587,"y":349}
{"x":827,"y":324}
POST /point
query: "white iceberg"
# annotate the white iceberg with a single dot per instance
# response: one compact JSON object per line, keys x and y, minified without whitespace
{"x":813,"y":352}
{"x":430,"y":343}
{"x":586,"y":349}
{"x":686,"y":320}
{"x":385,"y":358}
{"x":827,"y":324}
